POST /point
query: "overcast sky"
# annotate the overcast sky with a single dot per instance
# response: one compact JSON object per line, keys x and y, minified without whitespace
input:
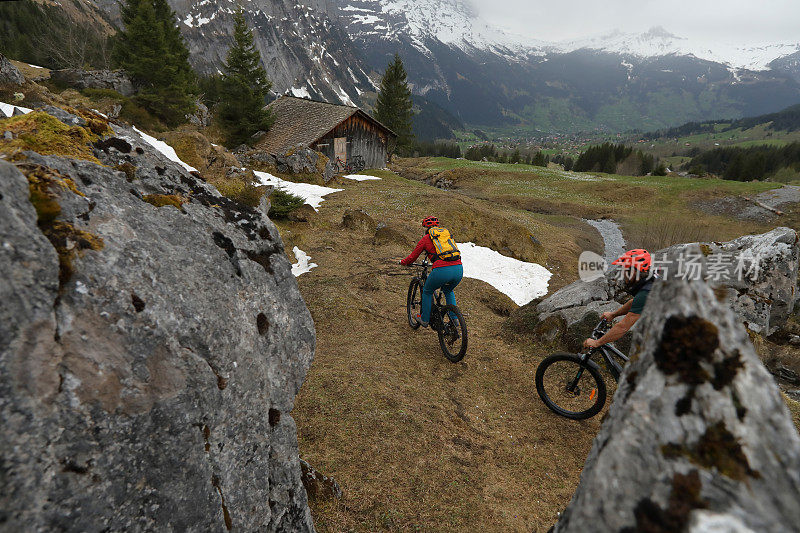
{"x":748,"y":21}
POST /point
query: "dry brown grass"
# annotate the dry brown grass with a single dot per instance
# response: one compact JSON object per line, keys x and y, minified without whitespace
{"x":418,"y":443}
{"x":662,"y":229}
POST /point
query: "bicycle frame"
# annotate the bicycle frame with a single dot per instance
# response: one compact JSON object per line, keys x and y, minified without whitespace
{"x":422,"y":277}
{"x":608,"y":351}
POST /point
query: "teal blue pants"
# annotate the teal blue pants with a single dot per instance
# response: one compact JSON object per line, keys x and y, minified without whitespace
{"x":445,"y":278}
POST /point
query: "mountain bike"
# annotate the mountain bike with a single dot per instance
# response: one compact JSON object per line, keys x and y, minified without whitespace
{"x":358,"y":163}
{"x":354,"y":164}
{"x":446,"y":320}
{"x":342,"y":166}
{"x":571,"y":384}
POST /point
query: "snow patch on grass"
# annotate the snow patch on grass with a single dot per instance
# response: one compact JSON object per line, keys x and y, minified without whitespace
{"x":360,"y":177}
{"x":314,"y":195}
{"x":520,"y":281}
{"x":303,"y":264}
{"x":7,"y":110}
{"x":165,"y":149}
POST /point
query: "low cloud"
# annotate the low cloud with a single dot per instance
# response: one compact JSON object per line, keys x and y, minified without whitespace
{"x":738,"y":21}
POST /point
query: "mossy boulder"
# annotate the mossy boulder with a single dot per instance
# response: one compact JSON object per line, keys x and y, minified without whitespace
{"x":175,"y":334}
{"x":47,"y":135}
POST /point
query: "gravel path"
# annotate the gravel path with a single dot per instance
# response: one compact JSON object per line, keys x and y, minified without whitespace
{"x":612,"y":238}
{"x":784,"y":195}
{"x":774,"y":198}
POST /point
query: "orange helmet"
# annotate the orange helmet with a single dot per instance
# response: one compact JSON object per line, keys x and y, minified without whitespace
{"x":638,"y":259}
{"x":429,"y":222}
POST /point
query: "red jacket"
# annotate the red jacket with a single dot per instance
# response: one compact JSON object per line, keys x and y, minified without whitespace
{"x":426,"y":244}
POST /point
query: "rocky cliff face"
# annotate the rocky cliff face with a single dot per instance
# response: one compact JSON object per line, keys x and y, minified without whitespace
{"x":698,"y":438}
{"x":152,"y":341}
{"x":304,"y":52}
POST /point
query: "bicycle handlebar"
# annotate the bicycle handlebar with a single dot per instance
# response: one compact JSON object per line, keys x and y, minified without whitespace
{"x":601,"y":329}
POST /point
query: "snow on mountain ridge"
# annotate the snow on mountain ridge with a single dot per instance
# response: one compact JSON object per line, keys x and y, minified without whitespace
{"x":658,"y":42}
{"x":456,"y":23}
{"x":451,"y":22}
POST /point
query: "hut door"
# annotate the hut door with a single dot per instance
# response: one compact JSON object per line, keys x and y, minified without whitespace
{"x":340,"y":148}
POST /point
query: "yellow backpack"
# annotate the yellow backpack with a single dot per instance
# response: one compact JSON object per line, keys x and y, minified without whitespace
{"x":446,"y":248}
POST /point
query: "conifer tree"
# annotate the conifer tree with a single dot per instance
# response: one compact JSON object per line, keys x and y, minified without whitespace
{"x":244,"y":88}
{"x":394,"y":107}
{"x":153,"y":53}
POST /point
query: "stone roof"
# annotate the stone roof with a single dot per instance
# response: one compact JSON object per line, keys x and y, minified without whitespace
{"x":300,"y":121}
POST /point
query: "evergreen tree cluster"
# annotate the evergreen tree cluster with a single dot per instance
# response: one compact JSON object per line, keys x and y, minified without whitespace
{"x":394,"y":107}
{"x":745,"y":164}
{"x":566,"y":161}
{"x":153,"y":53}
{"x":618,"y":158}
{"x":43,"y":35}
{"x":479,"y":152}
{"x":243,"y":88}
{"x":785,"y":120}
{"x":437,"y":149}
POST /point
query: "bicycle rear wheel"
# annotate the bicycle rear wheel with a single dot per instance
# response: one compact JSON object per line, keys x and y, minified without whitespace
{"x":570,"y":387}
{"x":413,"y":303}
{"x":453,"y":333}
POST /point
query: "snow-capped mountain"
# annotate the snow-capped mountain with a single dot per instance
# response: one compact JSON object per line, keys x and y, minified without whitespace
{"x":465,"y":67}
{"x":658,"y":42}
{"x":450,"y":22}
{"x":615,"y":81}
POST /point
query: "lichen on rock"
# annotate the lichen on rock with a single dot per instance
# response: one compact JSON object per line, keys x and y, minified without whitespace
{"x":137,"y":391}
{"x":697,"y":429}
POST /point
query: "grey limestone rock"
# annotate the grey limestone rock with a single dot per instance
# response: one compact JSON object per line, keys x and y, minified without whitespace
{"x":94,"y":79}
{"x":698,"y":437}
{"x":147,"y":384}
{"x":9,"y":74}
{"x":763,"y":296}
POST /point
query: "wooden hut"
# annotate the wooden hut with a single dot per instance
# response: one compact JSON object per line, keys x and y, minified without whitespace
{"x":338,"y":131}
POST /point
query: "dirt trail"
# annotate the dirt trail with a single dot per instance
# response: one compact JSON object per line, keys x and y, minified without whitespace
{"x":416,"y":442}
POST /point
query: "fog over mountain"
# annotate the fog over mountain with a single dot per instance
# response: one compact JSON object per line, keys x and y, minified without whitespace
{"x":740,"y":21}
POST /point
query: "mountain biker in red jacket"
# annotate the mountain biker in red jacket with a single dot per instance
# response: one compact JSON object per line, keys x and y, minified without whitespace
{"x":638,"y":281}
{"x":444,"y":274}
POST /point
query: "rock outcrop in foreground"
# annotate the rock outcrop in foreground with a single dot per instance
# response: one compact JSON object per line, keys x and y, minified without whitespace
{"x":762,"y":289}
{"x":152,"y":341}
{"x":698,"y":437}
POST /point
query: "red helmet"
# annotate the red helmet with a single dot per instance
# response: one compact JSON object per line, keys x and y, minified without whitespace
{"x":638,"y":259}
{"x":429,"y":222}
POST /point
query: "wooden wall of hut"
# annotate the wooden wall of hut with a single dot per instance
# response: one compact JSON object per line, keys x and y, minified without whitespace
{"x":363,"y":138}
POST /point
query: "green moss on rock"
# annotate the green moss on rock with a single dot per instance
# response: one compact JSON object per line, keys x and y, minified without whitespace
{"x":45,"y":185}
{"x":161,"y":200}
{"x":46,"y":135}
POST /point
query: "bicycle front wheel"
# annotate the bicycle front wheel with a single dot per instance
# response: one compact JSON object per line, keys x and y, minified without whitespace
{"x":570,"y":387}
{"x":453,"y":333}
{"x":414,"y":303}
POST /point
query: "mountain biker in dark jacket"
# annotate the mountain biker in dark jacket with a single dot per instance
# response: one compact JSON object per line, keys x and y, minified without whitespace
{"x":444,"y":274}
{"x":638,"y":279}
